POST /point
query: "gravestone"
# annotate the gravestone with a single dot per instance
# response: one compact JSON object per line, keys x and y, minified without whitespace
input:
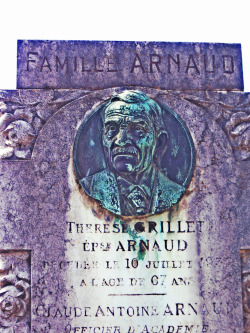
{"x":124,"y":189}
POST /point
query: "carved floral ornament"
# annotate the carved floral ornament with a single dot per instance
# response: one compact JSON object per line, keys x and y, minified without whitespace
{"x":246,"y":299}
{"x":14,"y":300}
{"x":232,"y":112}
{"x":17,"y":133}
{"x":23,"y":114}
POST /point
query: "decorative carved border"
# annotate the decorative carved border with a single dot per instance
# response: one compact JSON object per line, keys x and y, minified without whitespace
{"x":231,"y":110}
{"x":15,"y":278}
{"x":245,"y":266}
{"x":23,"y":113}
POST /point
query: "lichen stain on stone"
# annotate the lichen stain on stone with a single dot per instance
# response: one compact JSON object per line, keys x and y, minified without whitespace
{"x":184,"y":204}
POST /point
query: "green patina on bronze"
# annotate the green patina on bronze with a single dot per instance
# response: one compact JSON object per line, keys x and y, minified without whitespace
{"x":134,"y":235}
{"x":134,"y":134}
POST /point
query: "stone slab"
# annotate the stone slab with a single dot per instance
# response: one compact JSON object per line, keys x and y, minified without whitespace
{"x":123,"y":195}
{"x":100,"y":64}
{"x":89,"y":273}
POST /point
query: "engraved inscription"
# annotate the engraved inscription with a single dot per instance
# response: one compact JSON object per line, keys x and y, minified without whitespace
{"x":77,"y":64}
{"x":152,"y":63}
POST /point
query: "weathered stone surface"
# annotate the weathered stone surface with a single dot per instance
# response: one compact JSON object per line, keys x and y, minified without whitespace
{"x":230,"y":111}
{"x":22,"y":116}
{"x":87,"y":267}
{"x":142,"y":266}
{"x":99,"y":65}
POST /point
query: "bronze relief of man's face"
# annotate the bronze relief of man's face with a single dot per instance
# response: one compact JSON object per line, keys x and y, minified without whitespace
{"x":129,"y":138}
{"x":133,"y":155}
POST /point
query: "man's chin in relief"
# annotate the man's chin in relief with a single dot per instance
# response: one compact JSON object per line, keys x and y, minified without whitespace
{"x":130,"y":164}
{"x":124,"y":160}
{"x":124,"y":164}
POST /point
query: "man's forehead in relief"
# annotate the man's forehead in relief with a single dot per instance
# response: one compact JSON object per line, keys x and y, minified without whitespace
{"x":136,"y":104}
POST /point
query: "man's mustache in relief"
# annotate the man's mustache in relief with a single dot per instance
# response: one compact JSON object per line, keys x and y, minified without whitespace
{"x":124,"y":150}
